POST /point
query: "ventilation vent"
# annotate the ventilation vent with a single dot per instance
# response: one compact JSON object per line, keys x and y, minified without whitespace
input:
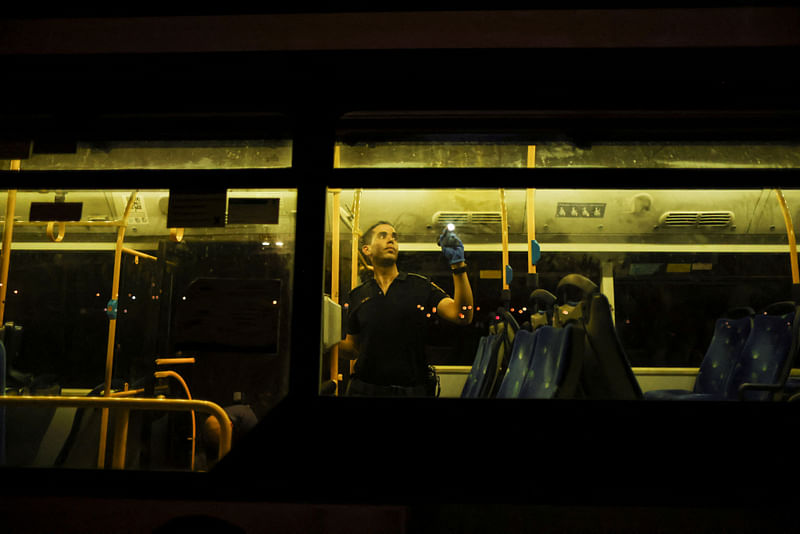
{"x":467,"y":217}
{"x":697,"y":219}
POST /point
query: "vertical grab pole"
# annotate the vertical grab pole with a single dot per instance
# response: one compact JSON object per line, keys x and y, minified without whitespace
{"x":530,"y":196}
{"x":112,"y":327}
{"x":504,"y":224}
{"x":8,"y":233}
{"x":334,"y":368}
{"x":355,"y":250}
{"x":787,"y":219}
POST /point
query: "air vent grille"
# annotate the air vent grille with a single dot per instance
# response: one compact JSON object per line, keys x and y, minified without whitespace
{"x":467,"y":217}
{"x":715,"y":218}
{"x":697,"y":219}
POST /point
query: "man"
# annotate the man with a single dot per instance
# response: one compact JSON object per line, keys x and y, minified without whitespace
{"x":387,"y":316}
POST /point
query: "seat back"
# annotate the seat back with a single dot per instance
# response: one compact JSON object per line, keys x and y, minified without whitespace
{"x":477,"y":373}
{"x":554,"y":368}
{"x":506,"y":328}
{"x":766,"y":357}
{"x":519,"y":361}
{"x":722,"y":355}
{"x":606,"y":370}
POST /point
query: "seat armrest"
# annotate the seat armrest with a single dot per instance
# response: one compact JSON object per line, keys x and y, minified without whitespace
{"x":753,"y":386}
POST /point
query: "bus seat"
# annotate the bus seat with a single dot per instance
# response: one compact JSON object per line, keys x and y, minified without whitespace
{"x":541,"y":305}
{"x":768,"y":356}
{"x":477,"y":373}
{"x":716,"y":369}
{"x":572,"y":289}
{"x":605,"y":372}
{"x":555,"y":366}
{"x":518,"y":364}
{"x":506,"y":328}
{"x":762,"y":368}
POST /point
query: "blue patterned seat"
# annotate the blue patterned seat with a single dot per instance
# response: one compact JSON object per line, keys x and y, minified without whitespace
{"x":755,"y":372}
{"x":717,"y":368}
{"x":476,"y":379}
{"x":543,"y":364}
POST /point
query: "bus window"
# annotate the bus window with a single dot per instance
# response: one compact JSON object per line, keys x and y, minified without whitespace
{"x":162,"y":154}
{"x":153,"y":297}
{"x":668,"y":264}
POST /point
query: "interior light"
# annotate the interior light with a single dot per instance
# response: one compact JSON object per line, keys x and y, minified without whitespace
{"x":265,"y":243}
{"x":274,"y":302}
{"x":279,"y":243}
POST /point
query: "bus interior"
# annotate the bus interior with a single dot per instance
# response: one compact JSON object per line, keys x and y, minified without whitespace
{"x":181,"y":223}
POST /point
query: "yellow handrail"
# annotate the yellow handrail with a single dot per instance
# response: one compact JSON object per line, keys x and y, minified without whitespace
{"x":787,"y":219}
{"x":169,"y":405}
{"x":356,"y":255}
{"x":504,"y":234}
{"x":112,"y":328}
{"x":8,"y":231}
{"x":530,"y":195}
{"x":335,"y":216}
{"x":179,"y":378}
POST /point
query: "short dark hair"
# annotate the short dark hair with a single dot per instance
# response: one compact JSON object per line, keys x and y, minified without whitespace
{"x":366,"y":237}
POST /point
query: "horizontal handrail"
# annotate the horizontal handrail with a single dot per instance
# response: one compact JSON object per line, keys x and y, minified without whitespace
{"x":170,"y":405}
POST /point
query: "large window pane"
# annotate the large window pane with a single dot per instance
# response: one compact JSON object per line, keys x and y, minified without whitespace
{"x":202,"y":309}
{"x":670,"y":263}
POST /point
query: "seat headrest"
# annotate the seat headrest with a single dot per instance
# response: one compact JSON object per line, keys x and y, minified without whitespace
{"x":780,"y":308}
{"x":541,"y":299}
{"x":575,"y":287}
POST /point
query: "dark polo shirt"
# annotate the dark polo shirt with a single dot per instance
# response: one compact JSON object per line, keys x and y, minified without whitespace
{"x":391,"y":328}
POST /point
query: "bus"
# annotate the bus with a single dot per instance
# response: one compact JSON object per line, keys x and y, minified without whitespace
{"x":177,"y":256}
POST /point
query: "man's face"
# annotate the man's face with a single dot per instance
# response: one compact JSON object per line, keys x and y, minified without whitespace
{"x":383,"y":248}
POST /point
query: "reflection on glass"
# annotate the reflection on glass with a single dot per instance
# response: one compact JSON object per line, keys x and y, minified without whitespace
{"x":662,"y":266}
{"x":119,"y":301}
{"x":557,"y":154}
{"x":111,"y":155}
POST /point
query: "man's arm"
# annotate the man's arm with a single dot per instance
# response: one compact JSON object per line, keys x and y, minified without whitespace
{"x":348,"y":347}
{"x":459,"y":308}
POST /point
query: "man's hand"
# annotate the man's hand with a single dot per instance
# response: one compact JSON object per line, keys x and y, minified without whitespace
{"x":452,"y":247}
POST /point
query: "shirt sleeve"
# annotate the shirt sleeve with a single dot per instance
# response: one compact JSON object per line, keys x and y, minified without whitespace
{"x":435,"y":295}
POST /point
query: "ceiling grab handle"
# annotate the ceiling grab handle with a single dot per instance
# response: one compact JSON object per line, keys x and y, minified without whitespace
{"x":787,"y":219}
{"x":56,"y":231}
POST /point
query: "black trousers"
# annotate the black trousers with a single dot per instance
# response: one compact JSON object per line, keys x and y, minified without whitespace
{"x":359,"y":388}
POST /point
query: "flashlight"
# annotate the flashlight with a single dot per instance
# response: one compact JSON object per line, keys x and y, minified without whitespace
{"x":451,"y":227}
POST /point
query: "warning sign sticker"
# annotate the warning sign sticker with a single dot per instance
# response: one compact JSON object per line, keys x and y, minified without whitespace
{"x":591,"y":210}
